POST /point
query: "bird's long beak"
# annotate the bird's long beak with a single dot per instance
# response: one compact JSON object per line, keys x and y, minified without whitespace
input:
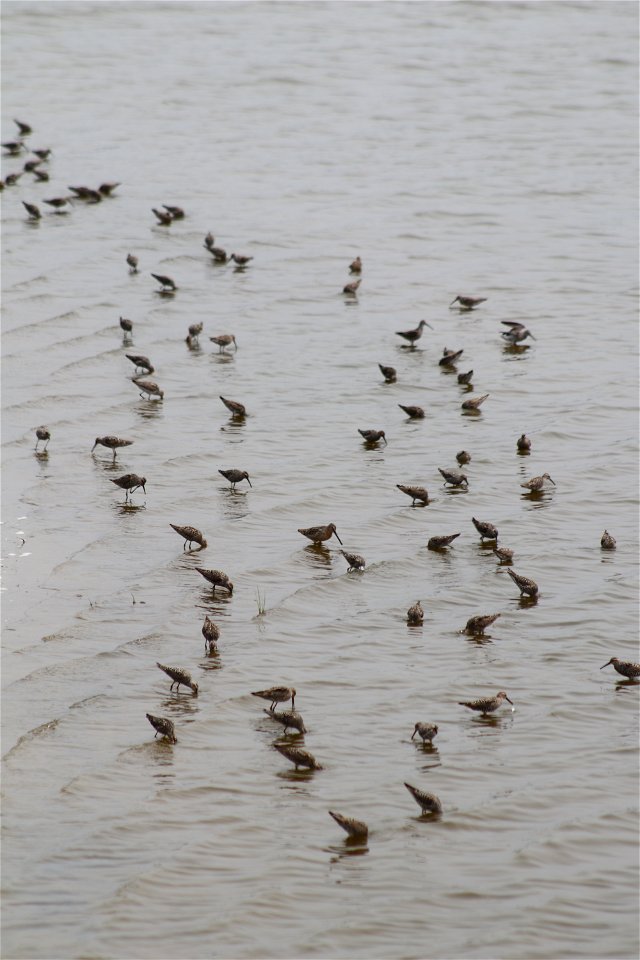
{"x":413,"y":734}
{"x":510,"y":701}
{"x":552,"y":481}
{"x":532,"y":336}
{"x":428,"y":325}
{"x":339,"y":540}
{"x":454,"y":301}
{"x":249,"y":482}
{"x":605,"y":664}
{"x":143,"y":487}
{"x":385,"y":440}
{"x":94,"y":446}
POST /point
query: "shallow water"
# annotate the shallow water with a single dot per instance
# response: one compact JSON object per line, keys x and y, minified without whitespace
{"x":485,"y":149}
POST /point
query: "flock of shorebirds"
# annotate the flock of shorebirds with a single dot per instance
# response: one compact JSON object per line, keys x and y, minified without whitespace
{"x":476,"y":626}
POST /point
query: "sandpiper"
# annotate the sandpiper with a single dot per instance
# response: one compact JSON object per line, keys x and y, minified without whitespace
{"x":607,"y":542}
{"x":32,"y":210}
{"x":449,"y":357}
{"x":130,"y":482}
{"x":166,"y":283}
{"x":486,"y":530}
{"x":126,"y":326}
{"x":536,"y":484}
{"x":211,"y":634}
{"x":113,"y":443}
{"x":209,"y":241}
{"x":503,"y":554}
{"x":41,"y":176}
{"x":14,"y":147}
{"x":318,"y":534}
{"x":44,"y":153}
{"x":475,"y":402}
{"x":179,"y":676}
{"x":164,"y":218}
{"x":190,"y":535}
{"x":148,"y":387}
{"x":624,"y":667}
{"x":389,"y":373}
{"x":24,"y":129}
{"x":355,"y":561}
{"x":42,"y":433}
{"x":163,"y":726}
{"x":300,"y":758}
{"x":524,"y":443}
{"x":373,"y":436}
{"x":132,"y":260}
{"x":414,"y":413}
{"x":526,"y":586}
{"x":453,"y":477}
{"x":106,"y":189}
{"x":235,"y":476}
{"x":84,"y":193}
{"x":140,"y":363}
{"x":468,"y":303}
{"x":218,"y":253}
{"x":31,"y":166}
{"x":478,"y":625}
{"x":439,"y":543}
{"x":12,"y":178}
{"x":288,"y":718}
{"x":237,"y":409}
{"x":355,"y":266}
{"x":195,"y":329}
{"x":240,"y":260}
{"x":416,"y":493}
{"x":426,"y":731}
{"x":176,"y":212}
{"x":224,"y":340}
{"x":428,"y":802}
{"x":216,"y":578}
{"x":59,"y":204}
{"x":357,"y":829}
{"x":276,"y":695}
{"x":516,"y":332}
{"x":486,"y":704}
{"x":351,"y":288}
{"x":463,"y":457}
{"x":465,"y":378}
{"x":415,"y":614}
{"x":413,"y":335}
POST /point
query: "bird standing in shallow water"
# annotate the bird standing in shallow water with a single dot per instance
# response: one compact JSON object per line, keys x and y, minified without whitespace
{"x":140,"y":363}
{"x":536,"y":484}
{"x":163,"y":726}
{"x":277,"y":695}
{"x":449,"y":357}
{"x":113,"y":443}
{"x":426,"y":731}
{"x":607,"y":542}
{"x":428,"y":802}
{"x":355,"y":561}
{"x":355,"y":266}
{"x":164,"y":218}
{"x":478,"y":625}
{"x":415,"y":614}
{"x":300,"y":758}
{"x":224,"y":340}
{"x":465,"y":378}
{"x":416,"y":493}
{"x":288,"y":718}
{"x":475,"y":403}
{"x":166,"y":283}
{"x":318,"y":534}
{"x":524,"y":443}
{"x":463,"y":457}
{"x":126,"y":326}
{"x":503,"y":554}
{"x":351,"y":289}
{"x":413,"y":335}
{"x":148,"y":387}
{"x":439,"y":543}
{"x":624,"y":667}
{"x":389,"y":373}
{"x":237,"y":409}
{"x":211,"y":634}
{"x":468,"y":303}
{"x":235,"y":476}
{"x":414,"y":413}
{"x":179,"y":676}
{"x":486,"y":704}
{"x":357,"y":829}
{"x":217,"y":578}
{"x":132,"y":260}
{"x":453,"y":477}
{"x":130,"y":482}
{"x":240,"y":260}
{"x":32,"y":210}
{"x":190,"y":535}
{"x":373,"y":436}
{"x":42,"y":433}
{"x":516,"y":332}
{"x":526,"y":586}
{"x":486,"y":530}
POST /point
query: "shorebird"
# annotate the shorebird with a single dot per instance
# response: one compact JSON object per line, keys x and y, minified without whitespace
{"x":126,"y":326}
{"x":414,"y":413}
{"x":355,"y":266}
{"x":41,"y":176}
{"x":24,"y":129}
{"x":428,"y":802}
{"x":413,"y":335}
{"x":32,"y":210}
{"x":516,"y":332}
{"x":216,"y":578}
{"x":526,"y":586}
{"x":356,"y":829}
{"x":288,"y":718}
{"x":14,"y":147}
{"x":478,"y":625}
{"x":453,"y":477}
{"x":106,"y":189}
{"x":475,"y":402}
{"x":486,"y":704}
{"x":624,"y":667}
{"x":426,"y":731}
{"x":439,"y":543}
{"x":31,"y":166}
{"x":164,"y":219}
{"x":300,"y":758}
{"x":58,"y":203}
{"x":209,"y":241}
{"x":465,"y":378}
{"x":148,"y":387}
{"x":113,"y":443}
{"x":355,"y":561}
{"x":166,"y":283}
{"x":276,"y":695}
{"x":237,"y":409}
{"x":177,"y":213}
{"x":44,"y":154}
{"x":140,"y":363}
{"x":524,"y":444}
{"x":190,"y":535}
{"x":42,"y":433}
{"x":320,"y":533}
{"x":130,"y":482}
{"x":12,"y":178}
{"x":239,"y":259}
{"x":373,"y":436}
{"x":468,"y":303}
{"x":87,"y":194}
{"x":607,"y":542}
{"x":224,"y":340}
{"x":195,"y":329}
{"x":132,"y":260}
{"x":218,"y":253}
{"x":211,"y":634}
{"x":415,"y":614}
{"x":163,"y":726}
{"x":351,"y":288}
{"x":503,"y":554}
{"x":449,"y":357}
{"x":536,"y":484}
{"x":463,"y":457}
{"x":179,"y":676}
{"x":486,"y":530}
{"x":235,"y":476}
{"x":416,"y":493}
{"x":389,"y":373}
